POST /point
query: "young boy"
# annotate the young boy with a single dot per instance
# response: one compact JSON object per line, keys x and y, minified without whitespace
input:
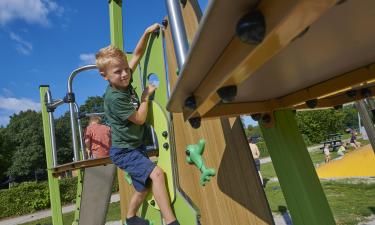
{"x":126,"y":116}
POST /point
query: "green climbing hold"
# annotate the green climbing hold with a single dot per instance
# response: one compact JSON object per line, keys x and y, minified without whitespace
{"x":128,"y":178}
{"x":194,"y":156}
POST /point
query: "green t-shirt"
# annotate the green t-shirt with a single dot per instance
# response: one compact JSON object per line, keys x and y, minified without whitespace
{"x":118,"y":106}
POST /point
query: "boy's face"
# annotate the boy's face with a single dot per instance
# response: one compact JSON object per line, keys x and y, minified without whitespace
{"x":118,"y":74}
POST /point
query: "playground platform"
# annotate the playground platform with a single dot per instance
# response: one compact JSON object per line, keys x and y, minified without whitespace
{"x":358,"y":163}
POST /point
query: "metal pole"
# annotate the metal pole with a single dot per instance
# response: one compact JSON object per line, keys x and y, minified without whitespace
{"x":80,"y":132}
{"x":71,"y":108}
{"x":52,"y":130}
{"x":367,"y":122}
{"x":371,"y":104}
{"x":77,"y":71}
{"x":179,"y":36}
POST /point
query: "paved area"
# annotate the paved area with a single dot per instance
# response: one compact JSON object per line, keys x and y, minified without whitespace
{"x":310,"y":149}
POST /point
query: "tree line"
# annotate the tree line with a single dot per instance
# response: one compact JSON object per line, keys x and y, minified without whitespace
{"x":316,"y":125}
{"x":22,"y":153}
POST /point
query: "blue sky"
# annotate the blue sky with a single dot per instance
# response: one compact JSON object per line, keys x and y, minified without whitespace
{"x":43,"y":41}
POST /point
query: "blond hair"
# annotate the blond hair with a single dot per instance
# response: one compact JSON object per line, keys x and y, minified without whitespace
{"x":107,"y":55}
{"x":95,"y":119}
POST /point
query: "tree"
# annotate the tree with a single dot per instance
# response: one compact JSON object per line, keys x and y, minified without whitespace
{"x":317,"y":124}
{"x":351,"y":116}
{"x":25,"y":131}
{"x":93,"y":104}
{"x":6,"y":152}
{"x":63,"y":134}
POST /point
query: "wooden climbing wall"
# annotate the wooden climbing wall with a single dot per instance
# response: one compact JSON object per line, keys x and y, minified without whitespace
{"x":234,"y":195}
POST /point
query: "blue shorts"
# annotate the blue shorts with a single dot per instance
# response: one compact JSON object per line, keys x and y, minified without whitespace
{"x":135,"y":162}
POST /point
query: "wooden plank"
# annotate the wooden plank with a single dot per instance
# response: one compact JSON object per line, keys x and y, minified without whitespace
{"x":235,"y":195}
{"x":337,"y":100}
{"x":239,"y":61}
{"x":279,"y":37}
{"x":80,"y":165}
{"x":331,"y":87}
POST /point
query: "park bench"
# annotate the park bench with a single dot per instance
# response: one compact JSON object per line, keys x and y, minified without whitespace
{"x":333,"y":141}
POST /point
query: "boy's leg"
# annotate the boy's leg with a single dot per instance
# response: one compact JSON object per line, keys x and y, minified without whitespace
{"x":135,"y":202}
{"x":161,"y":196}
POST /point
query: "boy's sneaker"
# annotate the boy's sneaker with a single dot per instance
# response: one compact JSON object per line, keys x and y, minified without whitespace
{"x":135,"y":220}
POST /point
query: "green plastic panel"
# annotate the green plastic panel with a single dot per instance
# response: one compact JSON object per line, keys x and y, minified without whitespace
{"x":185,"y":212}
{"x":153,"y":63}
{"x":53,"y":183}
{"x":80,"y":174}
{"x":299,"y":182}
{"x":115,"y":20}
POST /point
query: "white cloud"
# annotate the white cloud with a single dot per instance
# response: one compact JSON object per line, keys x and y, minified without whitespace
{"x":15,"y":105}
{"x":10,"y":106}
{"x":31,"y":11}
{"x":22,"y":46}
{"x":87,"y":59}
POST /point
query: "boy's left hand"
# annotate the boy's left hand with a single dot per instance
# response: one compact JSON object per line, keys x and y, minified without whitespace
{"x":148,"y":91}
{"x":153,"y":27}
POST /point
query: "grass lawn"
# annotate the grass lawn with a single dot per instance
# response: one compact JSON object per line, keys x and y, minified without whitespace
{"x":350,"y":202}
{"x":113,"y":214}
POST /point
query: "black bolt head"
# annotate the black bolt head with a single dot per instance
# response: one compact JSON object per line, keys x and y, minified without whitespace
{"x":190,"y":103}
{"x":337,"y":107}
{"x":266,"y":118}
{"x":365,"y":92}
{"x":228,"y":93}
{"x":351,"y":93}
{"x":256,"y":116}
{"x":195,"y":122}
{"x":251,"y":28}
{"x":312,"y":103}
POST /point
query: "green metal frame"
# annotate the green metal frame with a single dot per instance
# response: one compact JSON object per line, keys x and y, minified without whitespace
{"x":115,"y":15}
{"x":53,"y":182}
{"x":299,"y":182}
{"x":77,"y":212}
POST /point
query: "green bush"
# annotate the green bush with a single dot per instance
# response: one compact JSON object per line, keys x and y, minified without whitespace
{"x":263,"y":149}
{"x":68,"y":190}
{"x":29,"y":197}
{"x":25,"y":198}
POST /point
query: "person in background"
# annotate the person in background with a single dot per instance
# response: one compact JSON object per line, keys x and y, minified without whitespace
{"x":256,"y":154}
{"x":327,"y":154}
{"x":341,"y":150}
{"x":353,"y":140}
{"x":97,"y":138}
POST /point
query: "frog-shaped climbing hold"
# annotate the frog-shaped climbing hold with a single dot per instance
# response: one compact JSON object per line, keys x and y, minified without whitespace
{"x":194,"y":156}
